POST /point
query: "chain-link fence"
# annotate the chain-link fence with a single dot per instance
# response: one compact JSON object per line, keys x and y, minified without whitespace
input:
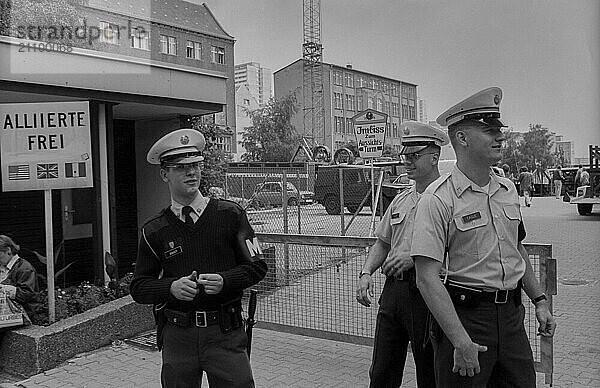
{"x":311,"y":285}
{"x":306,"y":198}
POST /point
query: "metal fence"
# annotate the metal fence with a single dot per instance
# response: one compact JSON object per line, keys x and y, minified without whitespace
{"x":319,"y":200}
{"x":311,"y":282}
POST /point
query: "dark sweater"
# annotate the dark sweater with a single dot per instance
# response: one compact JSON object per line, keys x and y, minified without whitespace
{"x":216,"y":243}
{"x":24,"y":278}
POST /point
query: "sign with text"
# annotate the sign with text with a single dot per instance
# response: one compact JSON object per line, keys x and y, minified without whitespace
{"x":369,"y":129}
{"x":45,"y":146}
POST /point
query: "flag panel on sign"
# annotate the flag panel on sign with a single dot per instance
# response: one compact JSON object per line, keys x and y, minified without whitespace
{"x":75,"y":170}
{"x":47,"y":171}
{"x":18,"y":172}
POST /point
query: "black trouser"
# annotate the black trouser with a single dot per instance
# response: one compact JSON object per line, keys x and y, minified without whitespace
{"x":402,"y":318}
{"x":508,"y":361}
{"x":189,"y":351}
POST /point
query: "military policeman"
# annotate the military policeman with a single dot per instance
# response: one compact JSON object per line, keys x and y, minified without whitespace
{"x":468,"y":225}
{"x":402,"y":315}
{"x":195,"y":258}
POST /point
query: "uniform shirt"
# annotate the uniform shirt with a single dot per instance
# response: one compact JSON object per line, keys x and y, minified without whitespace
{"x":480,"y":229}
{"x":396,"y":226}
{"x":198,"y":205}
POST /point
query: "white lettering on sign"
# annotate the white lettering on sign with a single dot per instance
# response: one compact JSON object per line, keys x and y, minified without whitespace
{"x":45,"y":146}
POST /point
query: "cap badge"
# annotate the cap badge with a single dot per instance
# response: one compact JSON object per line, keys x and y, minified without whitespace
{"x":496,"y":99}
{"x":184,"y":140}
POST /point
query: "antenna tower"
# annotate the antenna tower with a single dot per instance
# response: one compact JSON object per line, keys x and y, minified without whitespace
{"x":312,"y":75}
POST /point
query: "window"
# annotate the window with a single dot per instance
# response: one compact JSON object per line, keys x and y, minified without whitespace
{"x":223,"y":143}
{"x":359,"y":103}
{"x":139,"y":38}
{"x":337,"y":78}
{"x":339,"y":124}
{"x":349,"y":102}
{"x":361,"y":82}
{"x":388,"y":108}
{"x":394,"y":88}
{"x":379,"y":104}
{"x":349,"y":126}
{"x":370,"y":103}
{"x":109,"y":32}
{"x":218,"y":54}
{"x":193,"y":50}
{"x":376,"y":85}
{"x":371,"y":84}
{"x":395,"y":130}
{"x":337,"y":101}
{"x":384,"y":87}
{"x":168,"y":45}
{"x":349,"y":80}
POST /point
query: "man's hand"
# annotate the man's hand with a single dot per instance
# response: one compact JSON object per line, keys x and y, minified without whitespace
{"x":466,"y":359}
{"x":392,"y":267}
{"x":545,"y":319}
{"x":212,"y":282}
{"x":364,"y":290}
{"x":185,"y":288}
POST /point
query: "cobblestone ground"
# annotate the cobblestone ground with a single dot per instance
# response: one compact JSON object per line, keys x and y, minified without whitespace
{"x":288,"y":360}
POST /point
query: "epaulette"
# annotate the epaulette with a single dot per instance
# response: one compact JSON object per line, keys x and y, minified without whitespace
{"x":228,"y":204}
{"x":155,"y":216}
{"x":433,"y":186}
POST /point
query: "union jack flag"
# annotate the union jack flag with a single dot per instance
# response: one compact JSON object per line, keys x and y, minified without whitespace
{"x":47,"y":171}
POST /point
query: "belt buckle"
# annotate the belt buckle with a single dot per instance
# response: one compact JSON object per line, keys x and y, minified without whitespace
{"x":501,"y":297}
{"x":203,"y":322}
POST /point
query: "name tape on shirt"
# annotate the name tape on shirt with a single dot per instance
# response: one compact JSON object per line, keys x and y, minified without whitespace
{"x":172,"y":252}
{"x":471,"y":217}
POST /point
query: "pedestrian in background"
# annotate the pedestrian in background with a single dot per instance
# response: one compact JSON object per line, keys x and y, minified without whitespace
{"x":469,"y":228}
{"x":402,"y":316}
{"x":577,"y":179}
{"x":526,"y":184}
{"x":194,"y":260}
{"x":558,"y":178}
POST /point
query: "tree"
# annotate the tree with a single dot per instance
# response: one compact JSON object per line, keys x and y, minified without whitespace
{"x":215,"y":159}
{"x":536,"y":148}
{"x":272,"y":137}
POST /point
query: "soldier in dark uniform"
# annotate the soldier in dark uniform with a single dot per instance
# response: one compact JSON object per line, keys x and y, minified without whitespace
{"x":468,"y":226}
{"x":402,"y":315}
{"x":195,"y":258}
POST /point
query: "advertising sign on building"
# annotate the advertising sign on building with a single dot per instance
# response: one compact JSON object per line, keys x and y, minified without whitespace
{"x":369,"y":129}
{"x":45,"y":146}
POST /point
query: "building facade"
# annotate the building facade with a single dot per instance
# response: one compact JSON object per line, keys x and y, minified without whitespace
{"x":422,"y":111}
{"x":347,"y":91}
{"x":144,"y":67}
{"x":245,"y":102}
{"x":258,"y":78}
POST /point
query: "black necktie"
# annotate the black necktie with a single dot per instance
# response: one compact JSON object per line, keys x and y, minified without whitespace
{"x":186,"y":214}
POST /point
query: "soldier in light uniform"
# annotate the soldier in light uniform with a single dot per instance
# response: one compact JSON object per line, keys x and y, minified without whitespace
{"x":402,"y":315}
{"x":195,"y":258}
{"x":468,"y":225}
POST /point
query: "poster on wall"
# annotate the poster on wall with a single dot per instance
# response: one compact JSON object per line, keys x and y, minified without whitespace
{"x":45,"y":146}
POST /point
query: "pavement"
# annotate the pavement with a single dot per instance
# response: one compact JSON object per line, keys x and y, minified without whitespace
{"x":289,"y":360}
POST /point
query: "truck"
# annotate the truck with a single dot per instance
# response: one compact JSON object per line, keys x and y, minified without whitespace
{"x":589,"y":195}
{"x":356,"y":185}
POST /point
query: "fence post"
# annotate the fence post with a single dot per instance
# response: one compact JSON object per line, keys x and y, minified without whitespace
{"x":286,"y":252}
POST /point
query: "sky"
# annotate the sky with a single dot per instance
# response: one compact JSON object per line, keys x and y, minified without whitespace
{"x":544,"y":54}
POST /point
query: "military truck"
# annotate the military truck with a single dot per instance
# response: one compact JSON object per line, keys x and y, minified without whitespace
{"x":357,"y":185}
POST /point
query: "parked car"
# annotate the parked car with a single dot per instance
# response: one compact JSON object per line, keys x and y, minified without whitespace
{"x":271,"y":193}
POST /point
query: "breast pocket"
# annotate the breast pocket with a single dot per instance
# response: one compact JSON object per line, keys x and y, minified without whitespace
{"x":469,"y":232}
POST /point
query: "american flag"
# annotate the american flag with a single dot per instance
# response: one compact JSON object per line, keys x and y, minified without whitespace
{"x":18,"y":172}
{"x":47,"y":171}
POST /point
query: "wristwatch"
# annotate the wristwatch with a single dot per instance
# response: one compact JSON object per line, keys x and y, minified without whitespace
{"x":363,"y":272}
{"x":537,"y":300}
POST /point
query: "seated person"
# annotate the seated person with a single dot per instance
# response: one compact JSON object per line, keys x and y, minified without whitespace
{"x":18,"y":278}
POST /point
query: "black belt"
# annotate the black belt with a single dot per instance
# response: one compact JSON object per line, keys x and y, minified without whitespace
{"x":500,"y":296}
{"x":192,"y":318}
